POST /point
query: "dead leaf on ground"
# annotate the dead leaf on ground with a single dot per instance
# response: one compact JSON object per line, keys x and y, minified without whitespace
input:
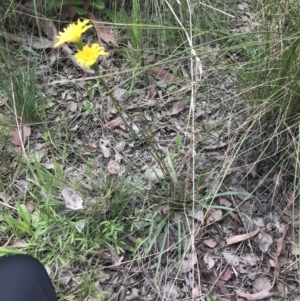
{"x":235,"y":217}
{"x":208,"y":260}
{"x":253,"y":297}
{"x":243,"y":269}
{"x":250,"y":259}
{"x":238,"y":238}
{"x":225,"y":202}
{"x":196,"y":292}
{"x":114,"y":123}
{"x":214,"y":215}
{"x":261,"y":283}
{"x":242,"y":193}
{"x":104,"y":34}
{"x":216,"y":145}
{"x":72,"y":199}
{"x":73,"y":105}
{"x":113,"y":167}
{"x":226,"y":275}
{"x":171,"y":292}
{"x":231,"y":259}
{"x":198,"y":216}
{"x":295,"y":248}
{"x":154,"y":174}
{"x":177,"y":109}
{"x":259,"y":222}
{"x":4,"y":197}
{"x":119,"y":93}
{"x":162,"y":74}
{"x":210,"y":242}
{"x":30,"y":206}
{"x":264,"y":242}
{"x":20,"y":137}
{"x":188,"y":264}
{"x":20,"y":244}
{"x":23,"y":187}
{"x":152,"y":91}
{"x":68,"y":11}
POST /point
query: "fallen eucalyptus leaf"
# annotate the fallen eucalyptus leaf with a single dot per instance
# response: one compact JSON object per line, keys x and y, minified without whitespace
{"x":253,"y":297}
{"x":238,"y":238}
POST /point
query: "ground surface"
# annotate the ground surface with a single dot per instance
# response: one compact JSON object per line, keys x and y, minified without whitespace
{"x":163,"y":203}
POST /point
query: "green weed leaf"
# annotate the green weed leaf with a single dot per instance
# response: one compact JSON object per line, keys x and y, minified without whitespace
{"x":81,"y":11}
{"x":98,"y":5}
{"x":16,"y":224}
{"x":24,"y":213}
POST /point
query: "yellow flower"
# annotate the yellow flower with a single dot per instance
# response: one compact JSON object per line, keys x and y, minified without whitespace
{"x":72,"y":33}
{"x":88,"y":55}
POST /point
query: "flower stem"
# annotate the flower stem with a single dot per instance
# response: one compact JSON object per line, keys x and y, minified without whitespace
{"x":95,"y":67}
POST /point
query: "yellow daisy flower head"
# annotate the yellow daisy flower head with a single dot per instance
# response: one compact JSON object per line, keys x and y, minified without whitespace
{"x":88,"y":56}
{"x":72,"y":33}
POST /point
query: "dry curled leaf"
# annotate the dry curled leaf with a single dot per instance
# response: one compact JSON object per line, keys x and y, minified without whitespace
{"x":104,"y":34}
{"x":113,"y":167}
{"x":72,"y":199}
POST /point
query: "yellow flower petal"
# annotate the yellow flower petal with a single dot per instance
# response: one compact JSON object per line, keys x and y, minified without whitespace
{"x":88,"y":56}
{"x":72,"y":33}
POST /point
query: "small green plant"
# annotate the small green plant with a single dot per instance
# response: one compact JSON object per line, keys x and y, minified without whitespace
{"x":112,"y":231}
{"x":82,"y":6}
{"x":21,"y":224}
{"x":88,"y":107}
